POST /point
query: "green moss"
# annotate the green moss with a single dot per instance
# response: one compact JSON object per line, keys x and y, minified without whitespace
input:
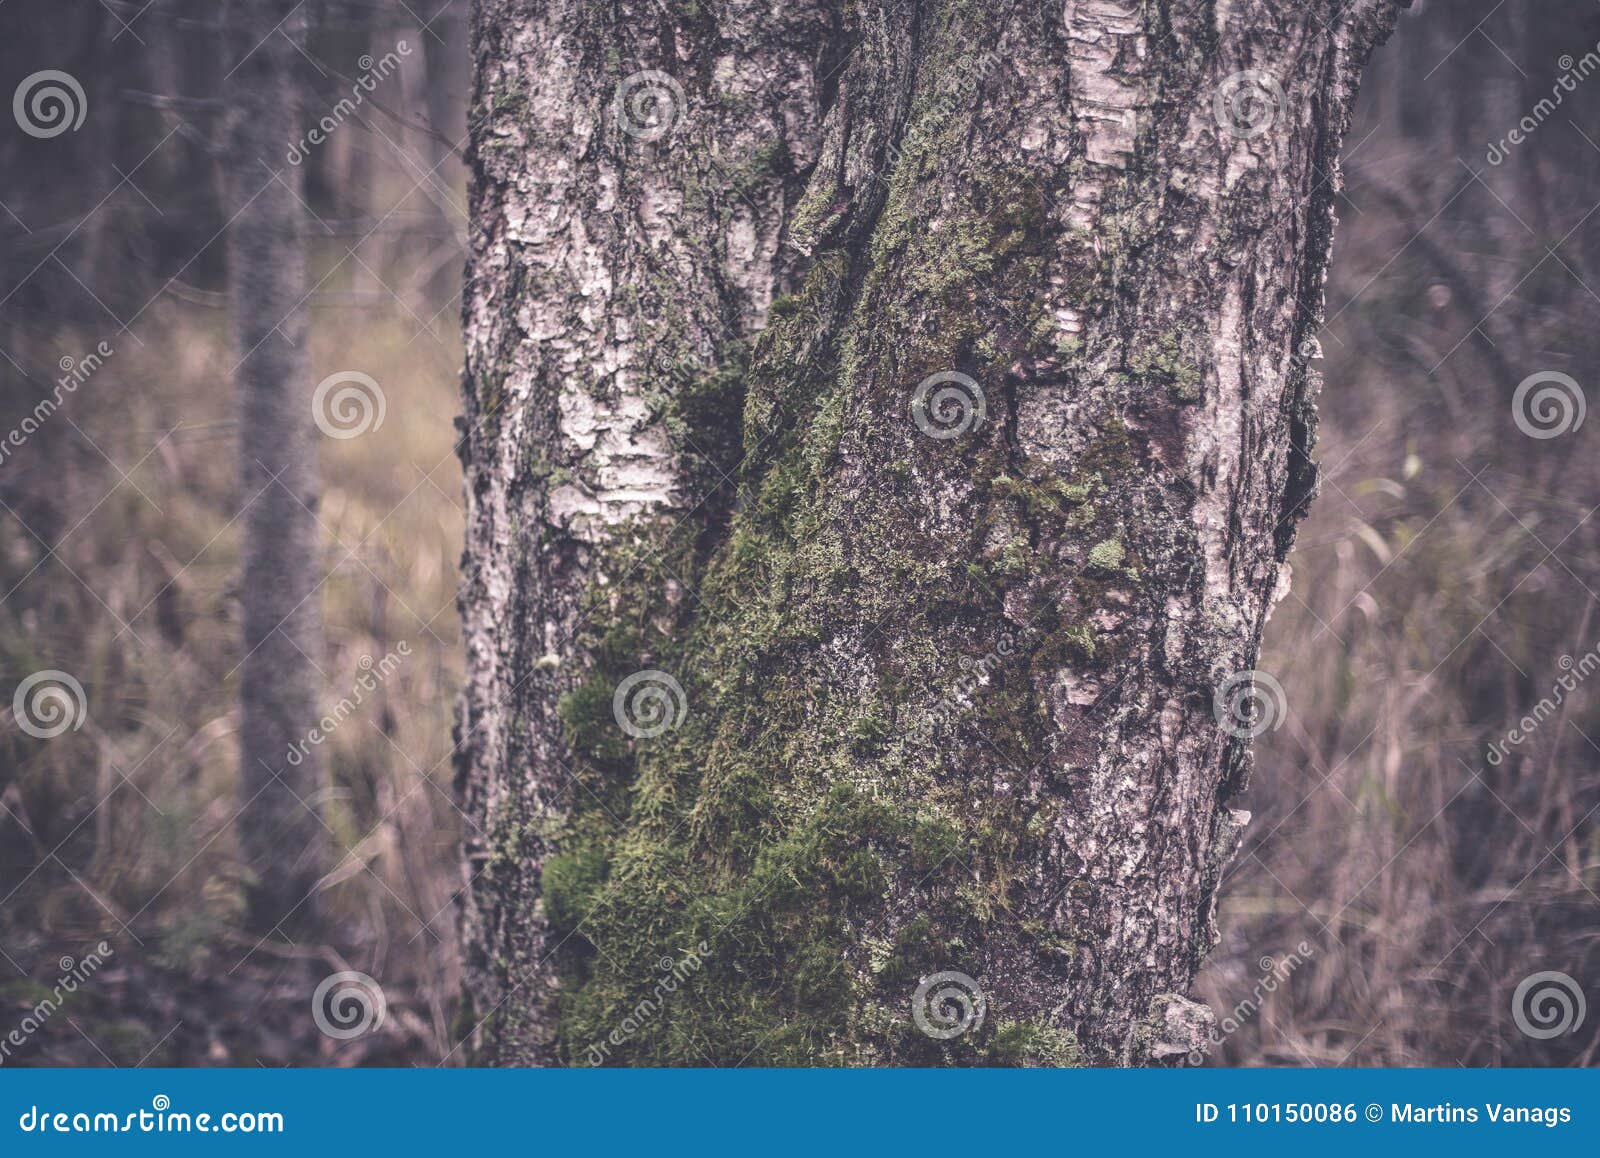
{"x":1018,"y":1043}
{"x":704,"y":413}
{"x":870,"y":730}
{"x":1079,"y":642}
{"x":570,"y":884}
{"x":798,"y":821}
{"x":1078,"y":492}
{"x":755,"y":171}
{"x":590,"y":722}
{"x":25,"y":992}
{"x":1050,"y":496}
{"x":779,"y":935}
{"x":1167,"y":362}
{"x":1106,"y":555}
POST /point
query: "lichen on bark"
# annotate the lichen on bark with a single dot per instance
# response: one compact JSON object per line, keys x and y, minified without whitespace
{"x":946,"y":701}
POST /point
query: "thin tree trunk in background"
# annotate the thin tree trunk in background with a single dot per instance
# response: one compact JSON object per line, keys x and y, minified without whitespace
{"x":283,"y":842}
{"x":886,"y":431}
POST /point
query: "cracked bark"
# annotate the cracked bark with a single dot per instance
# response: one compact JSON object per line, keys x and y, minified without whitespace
{"x":947,"y":701}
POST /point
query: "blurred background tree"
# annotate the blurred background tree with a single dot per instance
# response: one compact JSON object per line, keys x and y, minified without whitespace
{"x":125,"y":524}
{"x":282,"y":837}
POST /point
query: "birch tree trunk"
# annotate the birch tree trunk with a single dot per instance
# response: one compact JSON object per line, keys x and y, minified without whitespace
{"x":282,"y":839}
{"x":885,"y":428}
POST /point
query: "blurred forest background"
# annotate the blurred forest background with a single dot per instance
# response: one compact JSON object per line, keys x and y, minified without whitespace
{"x":1443,"y":575}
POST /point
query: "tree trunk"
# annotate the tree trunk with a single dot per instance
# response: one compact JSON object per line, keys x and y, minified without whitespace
{"x":885,"y":430}
{"x":282,"y":839}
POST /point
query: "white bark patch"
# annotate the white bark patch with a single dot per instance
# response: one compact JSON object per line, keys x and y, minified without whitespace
{"x":1280,"y":587}
{"x":1105,"y":102}
{"x":751,"y":247}
{"x":627,"y":463}
{"x":1215,"y":450}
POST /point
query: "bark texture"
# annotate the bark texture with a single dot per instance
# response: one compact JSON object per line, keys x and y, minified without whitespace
{"x":942,"y":655}
{"x":283,"y":841}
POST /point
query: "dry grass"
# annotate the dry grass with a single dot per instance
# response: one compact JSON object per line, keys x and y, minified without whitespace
{"x":1447,"y":568}
{"x":123,"y":829}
